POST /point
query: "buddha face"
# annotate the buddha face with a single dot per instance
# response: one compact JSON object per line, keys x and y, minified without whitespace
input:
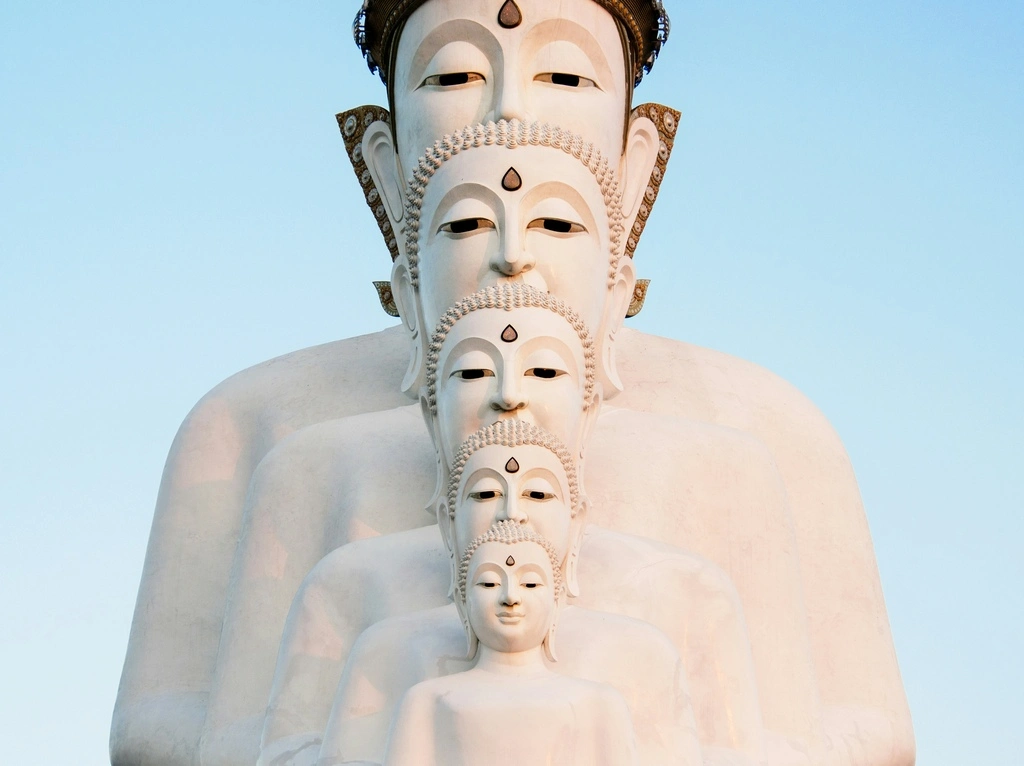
{"x":525,"y":484}
{"x":485,"y":373}
{"x":562,"y":64}
{"x":551,"y":232}
{"x":510,"y":598}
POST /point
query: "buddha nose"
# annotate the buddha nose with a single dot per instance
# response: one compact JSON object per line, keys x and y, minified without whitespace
{"x":510,"y":595}
{"x":508,"y":103}
{"x":509,"y":397}
{"x":513,"y":510}
{"x":512,"y":257}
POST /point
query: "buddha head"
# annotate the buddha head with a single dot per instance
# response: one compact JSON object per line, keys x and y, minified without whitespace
{"x":509,"y":590}
{"x":509,"y":351}
{"x":514,"y":202}
{"x":516,"y":472}
{"x":573,"y":63}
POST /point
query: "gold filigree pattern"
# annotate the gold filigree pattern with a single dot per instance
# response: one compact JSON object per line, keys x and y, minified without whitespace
{"x":639,"y":296}
{"x":387,"y":298}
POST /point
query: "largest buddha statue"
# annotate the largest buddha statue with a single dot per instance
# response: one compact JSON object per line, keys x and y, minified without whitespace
{"x":290,"y":542}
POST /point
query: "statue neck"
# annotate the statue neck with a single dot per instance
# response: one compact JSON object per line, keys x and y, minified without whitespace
{"x":529,"y":662}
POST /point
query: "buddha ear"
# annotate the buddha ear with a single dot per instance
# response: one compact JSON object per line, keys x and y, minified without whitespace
{"x":406,"y":298}
{"x":430,"y":418}
{"x":472,"y":642}
{"x":620,"y":294}
{"x":378,"y":151}
{"x":444,"y":526}
{"x":637,"y":165}
{"x":572,"y":560}
{"x":588,"y":421}
{"x":549,"y":639}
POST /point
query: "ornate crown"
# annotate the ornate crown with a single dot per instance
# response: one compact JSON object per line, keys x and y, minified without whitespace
{"x":378,"y":23}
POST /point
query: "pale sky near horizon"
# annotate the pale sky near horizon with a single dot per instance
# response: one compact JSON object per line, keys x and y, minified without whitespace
{"x":845,"y":206}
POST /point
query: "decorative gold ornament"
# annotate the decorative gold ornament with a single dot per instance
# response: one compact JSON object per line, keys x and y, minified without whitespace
{"x":639,"y":295}
{"x":666,"y":120}
{"x":386,"y":297}
{"x":353,"y":125}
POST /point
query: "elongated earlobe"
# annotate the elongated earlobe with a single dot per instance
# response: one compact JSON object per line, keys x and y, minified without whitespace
{"x":572,"y":560}
{"x":620,"y":295}
{"x":472,"y":642}
{"x":549,"y":640}
{"x":407,"y":302}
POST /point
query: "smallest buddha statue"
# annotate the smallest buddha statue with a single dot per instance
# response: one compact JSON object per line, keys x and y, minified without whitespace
{"x":510,"y":708}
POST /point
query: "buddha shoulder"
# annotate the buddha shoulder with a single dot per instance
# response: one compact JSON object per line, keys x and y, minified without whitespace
{"x":332,"y":380}
{"x":673,"y":377}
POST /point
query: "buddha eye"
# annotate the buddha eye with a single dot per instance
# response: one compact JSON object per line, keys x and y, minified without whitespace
{"x":536,"y":494}
{"x":544,"y":372}
{"x":556,"y":225}
{"x":466,"y":225}
{"x":531,"y":584}
{"x":473,"y":374}
{"x":451,"y":79}
{"x":485,"y":494}
{"x":488,"y":584}
{"x":566,"y":80}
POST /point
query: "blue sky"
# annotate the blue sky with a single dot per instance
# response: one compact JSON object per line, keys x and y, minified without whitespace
{"x":845,"y":206}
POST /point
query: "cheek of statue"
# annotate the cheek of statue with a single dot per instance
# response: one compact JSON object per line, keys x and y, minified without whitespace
{"x":563,"y":65}
{"x":574,"y":268}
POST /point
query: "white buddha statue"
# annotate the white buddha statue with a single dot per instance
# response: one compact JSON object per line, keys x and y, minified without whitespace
{"x":510,"y":331}
{"x":510,"y":708}
{"x":512,"y":472}
{"x":760,"y":483}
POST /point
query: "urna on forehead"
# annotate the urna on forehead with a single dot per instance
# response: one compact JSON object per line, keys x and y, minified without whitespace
{"x":643,"y":24}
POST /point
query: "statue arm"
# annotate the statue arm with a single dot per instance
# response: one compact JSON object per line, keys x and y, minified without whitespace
{"x":175,"y":632}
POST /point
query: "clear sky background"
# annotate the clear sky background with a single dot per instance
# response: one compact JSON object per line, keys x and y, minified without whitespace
{"x":845,"y":206}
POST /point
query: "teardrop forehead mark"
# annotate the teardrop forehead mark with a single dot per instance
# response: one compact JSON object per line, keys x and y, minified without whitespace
{"x":509,"y":334}
{"x":511,"y":181}
{"x":510,"y":17}
{"x":512,"y":466}
{"x":510,"y":562}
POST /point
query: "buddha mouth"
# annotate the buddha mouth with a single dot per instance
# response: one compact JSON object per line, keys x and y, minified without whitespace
{"x":510,"y":618}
